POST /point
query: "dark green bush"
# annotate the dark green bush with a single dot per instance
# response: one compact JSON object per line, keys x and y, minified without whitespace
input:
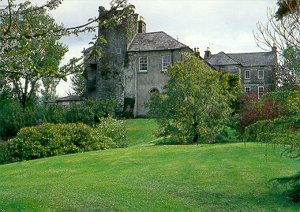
{"x":13,"y":117}
{"x":260,"y":130}
{"x":90,"y":112}
{"x":58,"y":139}
{"x":55,"y":114}
{"x":228,"y":134}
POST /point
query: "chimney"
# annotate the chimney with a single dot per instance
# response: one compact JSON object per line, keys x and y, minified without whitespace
{"x":274,"y":48}
{"x":141,"y":25}
{"x":196,"y":51}
{"x":207,"y":54}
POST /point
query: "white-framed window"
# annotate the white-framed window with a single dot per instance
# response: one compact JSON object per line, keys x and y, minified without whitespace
{"x":260,"y":74}
{"x":260,"y":91}
{"x":118,"y":50}
{"x":247,"y":74}
{"x":247,"y":89}
{"x":143,"y":64}
{"x":166,"y":61}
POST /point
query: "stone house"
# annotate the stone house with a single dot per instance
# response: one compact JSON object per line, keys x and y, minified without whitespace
{"x":256,"y":69}
{"x":133,"y":64}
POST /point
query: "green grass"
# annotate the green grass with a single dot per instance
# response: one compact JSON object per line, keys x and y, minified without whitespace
{"x":209,"y":177}
{"x":140,"y":131}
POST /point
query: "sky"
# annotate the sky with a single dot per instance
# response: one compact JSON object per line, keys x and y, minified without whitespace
{"x":221,"y":25}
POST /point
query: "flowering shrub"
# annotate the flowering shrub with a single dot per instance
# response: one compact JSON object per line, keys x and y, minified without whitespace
{"x":113,"y":129}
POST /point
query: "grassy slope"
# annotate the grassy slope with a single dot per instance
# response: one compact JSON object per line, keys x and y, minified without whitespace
{"x":231,"y":176}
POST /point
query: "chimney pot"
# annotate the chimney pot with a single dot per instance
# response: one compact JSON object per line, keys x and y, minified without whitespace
{"x":207,"y":54}
{"x":141,"y":25}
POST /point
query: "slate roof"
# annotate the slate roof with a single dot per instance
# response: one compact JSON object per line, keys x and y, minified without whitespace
{"x":154,"y":41}
{"x":221,"y":59}
{"x":244,"y":59}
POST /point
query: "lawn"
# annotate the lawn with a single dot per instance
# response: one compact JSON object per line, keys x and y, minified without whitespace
{"x":150,"y":177}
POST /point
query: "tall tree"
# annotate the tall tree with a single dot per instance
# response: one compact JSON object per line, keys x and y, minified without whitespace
{"x":28,"y":63}
{"x":194,"y":106}
{"x":283,"y":31}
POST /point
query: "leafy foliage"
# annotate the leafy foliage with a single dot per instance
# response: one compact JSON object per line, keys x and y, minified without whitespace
{"x":289,"y":71}
{"x":271,"y":106}
{"x":27,"y":64}
{"x":90,"y":112}
{"x":286,"y":7}
{"x":13,"y":117}
{"x":58,"y":139}
{"x":78,"y":83}
{"x":283,"y":131}
{"x":194,"y":106}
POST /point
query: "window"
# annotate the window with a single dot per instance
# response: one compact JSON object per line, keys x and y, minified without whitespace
{"x":166,"y":61}
{"x":260,"y":91}
{"x":260,"y":74}
{"x":247,"y":89}
{"x":118,"y":50}
{"x":247,"y":74}
{"x":154,"y":91}
{"x":143,"y":64}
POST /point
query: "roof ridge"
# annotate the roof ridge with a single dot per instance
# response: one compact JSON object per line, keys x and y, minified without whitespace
{"x":250,"y":52}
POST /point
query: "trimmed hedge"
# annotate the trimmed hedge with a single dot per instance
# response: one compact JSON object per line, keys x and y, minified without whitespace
{"x":285,"y":125}
{"x":283,"y":131}
{"x":59,"y":139}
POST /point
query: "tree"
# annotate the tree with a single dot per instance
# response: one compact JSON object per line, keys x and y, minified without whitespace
{"x":282,"y":30}
{"x":33,"y":62}
{"x":78,"y":83}
{"x":194,"y":106}
{"x":30,"y":52}
{"x":286,"y":7}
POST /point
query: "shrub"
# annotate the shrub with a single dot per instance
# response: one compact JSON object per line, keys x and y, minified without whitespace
{"x":13,"y":117}
{"x":228,"y":134}
{"x":90,"y":112}
{"x":58,"y":139}
{"x":273,"y":105}
{"x":55,"y":114}
{"x":113,"y":129}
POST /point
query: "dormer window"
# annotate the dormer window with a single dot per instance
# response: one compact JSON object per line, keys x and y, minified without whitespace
{"x":166,"y":61}
{"x":260,"y":74}
{"x":143,"y":64}
{"x":247,"y":74}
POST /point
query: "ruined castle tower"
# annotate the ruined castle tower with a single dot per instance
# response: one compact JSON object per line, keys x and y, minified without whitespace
{"x":104,"y":73}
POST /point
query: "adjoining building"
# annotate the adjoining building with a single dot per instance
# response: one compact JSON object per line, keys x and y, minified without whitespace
{"x":256,"y":69}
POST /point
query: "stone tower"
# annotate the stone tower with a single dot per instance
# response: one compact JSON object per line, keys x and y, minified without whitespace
{"x":105,"y":74}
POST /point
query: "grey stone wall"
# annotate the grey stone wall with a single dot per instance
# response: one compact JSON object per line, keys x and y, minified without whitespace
{"x":268,"y":81}
{"x":138,"y":84}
